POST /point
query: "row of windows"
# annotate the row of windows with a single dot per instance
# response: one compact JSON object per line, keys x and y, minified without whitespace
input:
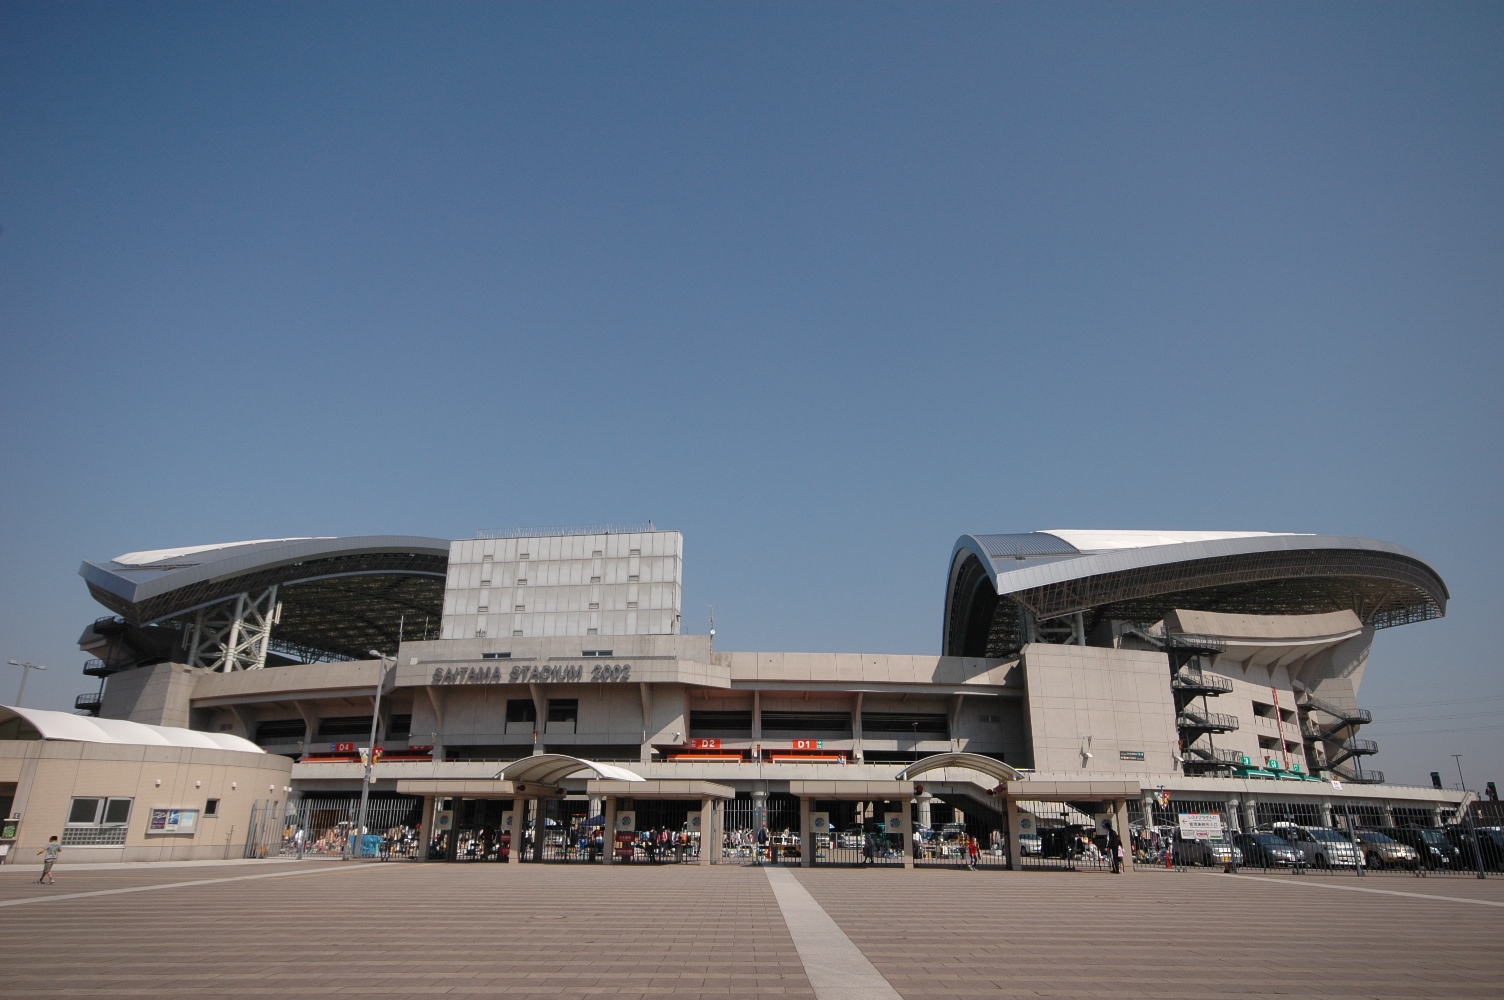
{"x":99,"y":821}
{"x":287,"y":730}
{"x":738,"y":723}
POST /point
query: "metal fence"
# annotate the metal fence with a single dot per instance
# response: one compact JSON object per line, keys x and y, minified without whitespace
{"x":1064,"y":836}
{"x":325,"y":826}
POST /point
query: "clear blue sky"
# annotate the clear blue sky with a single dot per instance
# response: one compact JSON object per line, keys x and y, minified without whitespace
{"x":824,"y":287}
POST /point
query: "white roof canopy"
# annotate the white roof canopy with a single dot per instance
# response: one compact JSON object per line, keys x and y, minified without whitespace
{"x":551,"y":768}
{"x":83,"y":729}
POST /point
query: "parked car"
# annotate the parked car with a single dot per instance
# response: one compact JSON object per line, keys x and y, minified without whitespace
{"x":1214,"y":851}
{"x":1030,"y":844}
{"x":1323,"y":846}
{"x":1267,"y":850}
{"x":1382,"y":851}
{"x":1436,"y":850}
{"x":1490,"y":839}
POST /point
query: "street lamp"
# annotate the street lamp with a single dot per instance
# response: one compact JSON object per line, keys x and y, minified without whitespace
{"x":25,"y":668}
{"x":365,"y":785}
{"x":1472,"y":829}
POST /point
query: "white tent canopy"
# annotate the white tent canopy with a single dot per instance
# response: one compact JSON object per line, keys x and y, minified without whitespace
{"x":84,"y":729}
{"x":551,"y":768}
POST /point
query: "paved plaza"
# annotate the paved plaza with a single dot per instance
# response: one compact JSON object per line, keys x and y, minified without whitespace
{"x":396,"y":930}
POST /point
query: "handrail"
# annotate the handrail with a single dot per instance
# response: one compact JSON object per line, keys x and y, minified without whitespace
{"x":1193,"y":678}
{"x":1348,"y":716}
{"x":92,"y":699}
{"x":1195,"y":718}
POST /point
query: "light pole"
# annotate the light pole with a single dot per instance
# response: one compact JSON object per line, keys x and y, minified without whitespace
{"x":25,"y":670}
{"x":1477,"y":848}
{"x":365,"y":785}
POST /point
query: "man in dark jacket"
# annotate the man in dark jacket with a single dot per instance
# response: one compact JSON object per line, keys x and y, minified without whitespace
{"x":1114,"y":848}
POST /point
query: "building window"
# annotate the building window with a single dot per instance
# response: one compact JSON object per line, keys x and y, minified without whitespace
{"x":595,"y":606}
{"x":97,"y":822}
{"x":592,"y":631}
{"x":281,"y":731}
{"x":632,"y":579}
{"x":519,"y":607}
{"x":563,"y":709}
{"x":631,"y":604}
{"x":595,"y":652}
{"x":345,"y":725}
{"x":483,"y":609}
{"x":731,"y":724}
{"x":522,"y":555}
{"x":595,"y":579}
{"x":516,"y":632}
{"x":211,"y":808}
{"x":924,"y":725}
{"x":485,"y":583}
{"x":636,"y":552}
{"x":496,"y":656}
{"x":521,"y":710}
{"x":1263,"y":710}
{"x":522,"y":581}
{"x":486,"y":558}
{"x":401,"y":727}
{"x":597,"y":554}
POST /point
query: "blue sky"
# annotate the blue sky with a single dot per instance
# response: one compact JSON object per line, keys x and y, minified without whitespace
{"x":823,"y":287}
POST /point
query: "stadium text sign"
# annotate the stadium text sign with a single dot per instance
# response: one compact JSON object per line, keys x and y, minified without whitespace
{"x":548,"y":673}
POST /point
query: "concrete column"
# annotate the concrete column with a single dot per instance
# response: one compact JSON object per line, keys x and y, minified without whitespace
{"x":1149,"y":810}
{"x":806,"y":835}
{"x":540,"y":827}
{"x":1015,"y":836}
{"x":1326,"y":812}
{"x":453,"y":849}
{"x":1120,"y":822}
{"x":856,"y":727}
{"x":925,"y":798}
{"x":514,"y":828}
{"x":707,"y":823}
{"x":756,"y":716}
{"x":1234,"y":817}
{"x":1438,"y":816}
{"x":608,"y":856}
{"x":425,"y":833}
{"x":1250,"y":814}
{"x":906,"y":829}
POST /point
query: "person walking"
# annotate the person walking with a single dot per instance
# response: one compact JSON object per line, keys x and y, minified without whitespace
{"x":52,"y":850}
{"x":869,"y":850}
{"x":1114,"y":849}
{"x":971,"y":853}
{"x":762,"y":844}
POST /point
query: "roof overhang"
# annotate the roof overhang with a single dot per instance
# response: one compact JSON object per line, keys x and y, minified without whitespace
{"x":67,"y":727}
{"x":552,"y":768}
{"x":990,"y":766}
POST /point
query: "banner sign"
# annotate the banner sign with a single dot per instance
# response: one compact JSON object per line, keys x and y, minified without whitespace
{"x":809,"y":744}
{"x":1200,"y":826}
{"x":172,"y":821}
{"x":820,"y":822}
{"x":626,"y":821}
{"x":699,"y":743}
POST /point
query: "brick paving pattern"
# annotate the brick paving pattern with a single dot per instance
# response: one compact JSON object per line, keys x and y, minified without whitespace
{"x":407,"y":930}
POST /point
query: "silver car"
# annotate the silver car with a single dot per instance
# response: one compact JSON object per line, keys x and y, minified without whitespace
{"x":1323,"y":846}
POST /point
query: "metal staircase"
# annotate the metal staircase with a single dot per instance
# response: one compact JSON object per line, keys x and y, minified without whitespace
{"x":1337,"y":740}
{"x":1189,"y":655}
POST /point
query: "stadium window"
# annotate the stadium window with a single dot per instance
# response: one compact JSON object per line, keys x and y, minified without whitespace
{"x":595,"y":652}
{"x":595,"y":579}
{"x":522,"y":555}
{"x":563,"y":709}
{"x":596,"y":554}
{"x":516,"y":632}
{"x":483,"y":609}
{"x":211,"y":808}
{"x":496,"y":656}
{"x":632,"y":579}
{"x":1263,"y":710}
{"x":485,"y":583}
{"x":521,"y":710}
{"x":592,"y":631}
{"x":631,"y":604}
{"x":519,"y":607}
{"x":486,"y":558}
{"x":594,"y":606}
{"x":522,"y":581}
{"x":636,"y":552}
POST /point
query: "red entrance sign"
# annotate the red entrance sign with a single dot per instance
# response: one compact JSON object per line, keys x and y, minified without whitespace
{"x":704,"y":744}
{"x":344,"y":748}
{"x":809,"y":744}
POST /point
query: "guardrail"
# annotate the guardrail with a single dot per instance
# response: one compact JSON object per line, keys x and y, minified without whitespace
{"x":1191,"y":718}
{"x":1192,"y":679}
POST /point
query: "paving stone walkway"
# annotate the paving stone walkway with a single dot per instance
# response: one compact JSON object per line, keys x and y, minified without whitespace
{"x":409,"y":930}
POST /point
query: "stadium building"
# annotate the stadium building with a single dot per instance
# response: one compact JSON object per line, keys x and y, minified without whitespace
{"x":541,"y":680}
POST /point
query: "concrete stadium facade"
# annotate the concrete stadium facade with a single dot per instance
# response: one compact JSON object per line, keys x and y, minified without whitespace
{"x":1136,"y":673}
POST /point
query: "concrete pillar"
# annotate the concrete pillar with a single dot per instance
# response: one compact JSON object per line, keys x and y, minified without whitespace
{"x":906,"y":829}
{"x":925,"y":798}
{"x":1120,"y":823}
{"x":425,"y":827}
{"x":1234,"y":818}
{"x":1149,"y":823}
{"x":756,"y":716}
{"x":608,"y":856}
{"x":1250,"y":814}
{"x":806,"y":835}
{"x":1015,"y":836}
{"x":707,"y":825}
{"x":1326,"y":812}
{"x":514,"y":831}
{"x":540,"y":827}
{"x":1438,"y":816}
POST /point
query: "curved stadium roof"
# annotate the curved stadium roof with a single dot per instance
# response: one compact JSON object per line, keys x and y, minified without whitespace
{"x":1140,"y":575}
{"x":340,"y":596}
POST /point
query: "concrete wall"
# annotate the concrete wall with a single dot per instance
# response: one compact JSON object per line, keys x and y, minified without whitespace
{"x":158,"y":696}
{"x":49,"y":773}
{"x":1120,"y":698}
